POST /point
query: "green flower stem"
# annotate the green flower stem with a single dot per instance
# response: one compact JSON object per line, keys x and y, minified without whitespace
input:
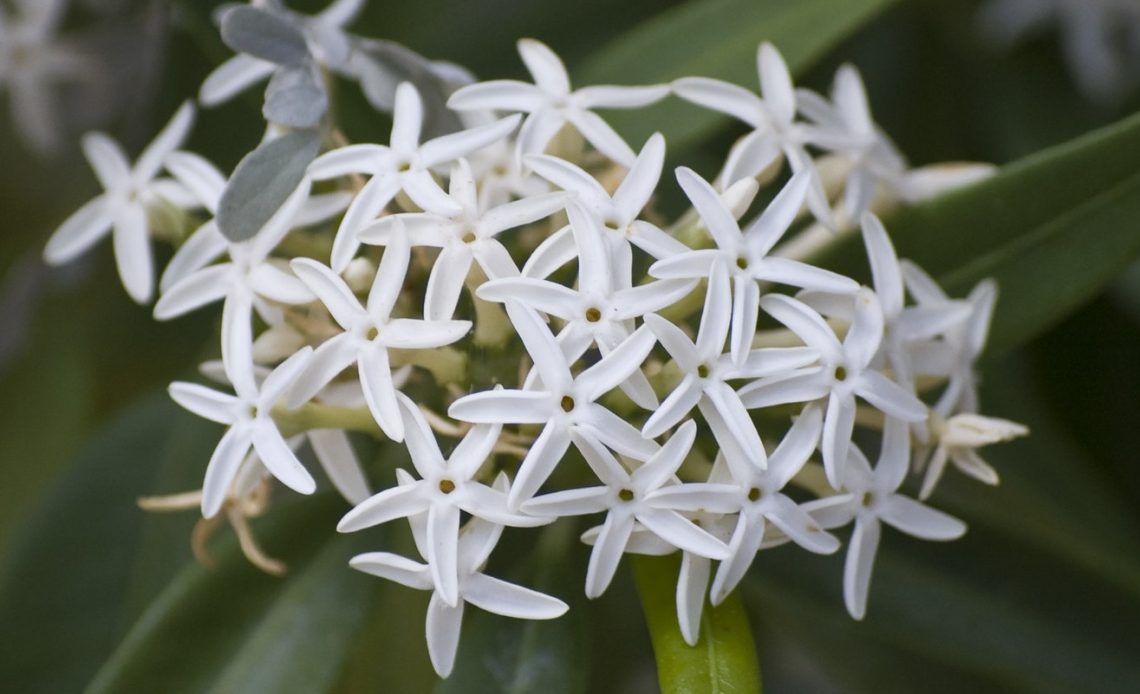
{"x":724,"y":659}
{"x":493,"y":328}
{"x":317,"y":416}
{"x":446,"y":364}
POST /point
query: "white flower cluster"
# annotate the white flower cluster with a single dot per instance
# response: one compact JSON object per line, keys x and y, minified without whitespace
{"x":698,"y":393}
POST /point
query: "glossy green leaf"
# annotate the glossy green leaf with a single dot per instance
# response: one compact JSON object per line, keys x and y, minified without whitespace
{"x":234,"y":628}
{"x":1053,"y":229}
{"x":64,"y":580}
{"x":716,"y":38}
{"x":724,"y":659}
{"x":499,"y":655}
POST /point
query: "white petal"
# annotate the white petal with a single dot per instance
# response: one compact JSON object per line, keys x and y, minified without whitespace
{"x":353,"y":159}
{"x":540,"y":295}
{"x":407,"y":119}
{"x":796,"y":447}
{"x":199,"y":176}
{"x":604,"y":138}
{"x":461,"y":144}
{"x":722,"y":96}
{"x":692,"y":582}
{"x":280,"y":460}
{"x":171,"y":138}
{"x":270,"y":282}
{"x":717,"y":218}
{"x":206,"y":402}
{"x":771,"y":225}
{"x":379,"y":391}
{"x":394,"y":568}
{"x":203,"y":287}
{"x":521,"y":212}
{"x":474,"y":449}
{"x":745,"y":314}
{"x":682,"y":533}
{"x":420,"y":440}
{"x":402,"y":501}
{"x":890,"y":397}
{"x":745,"y":542}
{"x":334,"y":452}
{"x":607,"y":553}
{"x":232,"y":77}
{"x":797,"y":274}
{"x":503,"y":406}
{"x":609,"y":96}
{"x":838,"y":426}
{"x":389,"y":278}
{"x":80,"y":231}
{"x":498,"y":95}
{"x":329,"y":359}
{"x":805,"y":323}
{"x":544,"y":455}
{"x":654,"y":241}
{"x":537,"y":131}
{"x":443,"y":550}
{"x":776,"y":83}
{"x":555,"y":251}
{"x":132,"y":252}
{"x":616,"y":433}
{"x":675,"y":342}
{"x":108,"y":160}
{"x":222,"y":469}
{"x":203,"y":246}
{"x":540,"y":345}
{"x":237,"y":343}
{"x":717,"y":315}
{"x":544,"y":66}
{"x":801,"y":527}
{"x":572,"y":502}
{"x":509,"y":600}
{"x":571,"y":179}
{"x":371,"y":199}
{"x":331,"y":290}
{"x":803,"y":387}
{"x":282,"y":378}
{"x":919,"y":520}
{"x":857,"y":567}
{"x":674,"y":408}
{"x":637,"y":301}
{"x":406,"y":333}
{"x":443,"y":624}
{"x":616,"y":367}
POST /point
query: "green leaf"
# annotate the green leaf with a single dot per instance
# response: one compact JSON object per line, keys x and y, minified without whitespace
{"x":1053,"y":229}
{"x":499,"y":655}
{"x":234,"y":628}
{"x":64,"y":581}
{"x":716,"y":38}
{"x":724,"y":659}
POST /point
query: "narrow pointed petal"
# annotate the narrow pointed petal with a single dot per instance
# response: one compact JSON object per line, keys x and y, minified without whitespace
{"x":443,"y":550}
{"x":338,"y":460}
{"x":694,"y":497}
{"x":420,"y":441}
{"x":571,"y":179}
{"x":608,"y":549}
{"x":866,"y":331}
{"x":280,"y":460}
{"x":717,"y":315}
{"x":507,"y":599}
{"x":742,"y":548}
{"x":888,"y":281}
{"x":537,"y":130}
{"x":237,"y":343}
{"x":890,"y":397}
{"x":919,"y":520}
{"x":271,"y":282}
{"x":82,"y":230}
{"x":796,"y":447}
{"x":721,"y":223}
{"x":206,"y":402}
{"x":542,"y":348}
{"x":572,"y":502}
{"x":647,"y":298}
{"x":545,"y":454}
{"x":203,"y":246}
{"x":600,"y":460}
{"x":389,"y":278}
{"x":658,"y":469}
{"x":803,"y":387}
{"x":465,"y":142}
{"x":222,"y":469}
{"x":616,"y":367}
{"x":540,"y":295}
{"x":379,"y":391}
{"x":353,"y":159}
{"x":609,"y":96}
{"x":688,"y":264}
{"x":329,"y":359}
{"x":232,"y":77}
{"x":169,"y":139}
{"x":407,"y":333}
{"x":616,"y":433}
{"x":393,"y":568}
{"x":692,"y":583}
{"x":771,"y":225}
{"x":805,"y":323}
{"x":331,"y":290}
{"x":722,"y":96}
{"x":776,"y":83}
{"x":838,"y":425}
{"x":721,"y":397}
{"x":199,"y":176}
{"x":797,"y":274}
{"x":132,"y":252}
{"x":282,"y":378}
{"x":402,"y":501}
{"x":654,"y":241}
{"x":776,"y":361}
{"x":555,"y":251}
{"x":858,"y":565}
{"x":544,"y":66}
{"x":503,"y":406}
{"x":682,"y":533}
{"x":194,"y":291}
{"x":474,"y":449}
{"x":107,"y":159}
{"x":443,"y":625}
{"x":368,"y":203}
{"x":804,"y":530}
{"x":407,"y":119}
{"x":498,"y":95}
{"x":603,"y":137}
{"x":674,"y":408}
{"x":521,"y":212}
{"x":745,"y":315}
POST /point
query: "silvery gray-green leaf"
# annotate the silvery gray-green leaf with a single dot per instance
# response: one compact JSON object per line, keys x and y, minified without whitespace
{"x":295,"y":98}
{"x":264,"y":35}
{"x":383,"y":65}
{"x":262,"y":182}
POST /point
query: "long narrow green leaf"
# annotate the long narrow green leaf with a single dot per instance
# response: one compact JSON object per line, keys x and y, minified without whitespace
{"x":717,"y":38}
{"x":233,"y":628}
{"x":724,"y":659}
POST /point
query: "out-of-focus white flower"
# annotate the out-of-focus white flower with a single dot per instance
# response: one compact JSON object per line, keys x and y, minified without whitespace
{"x":871,"y":497}
{"x":958,"y":439}
{"x":404,"y":165}
{"x":551,"y":104}
{"x":1100,"y":38}
{"x":476,"y":541}
{"x":122,"y":208}
{"x":466,"y":237}
{"x":562,"y":402}
{"x":33,"y":60}
{"x":369,"y":332}
{"x":637,"y":497}
{"x":249,"y":416}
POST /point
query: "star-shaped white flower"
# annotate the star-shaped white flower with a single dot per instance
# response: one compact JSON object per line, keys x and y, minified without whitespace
{"x":468,"y":236}
{"x":123,"y":206}
{"x":757,"y":481}
{"x":476,"y":541}
{"x":403,"y":165}
{"x":650,"y":495}
{"x":871,"y":497}
{"x":561,"y":402}
{"x":551,"y":104}
{"x":597,"y":312}
{"x":249,"y":279}
{"x":249,"y":416}
{"x":745,"y":253}
{"x":843,"y":373}
{"x":446,"y":488}
{"x":775,"y":134}
{"x":324,"y":35}
{"x":369,"y":332}
{"x":616,"y":214}
{"x":707,"y":369}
